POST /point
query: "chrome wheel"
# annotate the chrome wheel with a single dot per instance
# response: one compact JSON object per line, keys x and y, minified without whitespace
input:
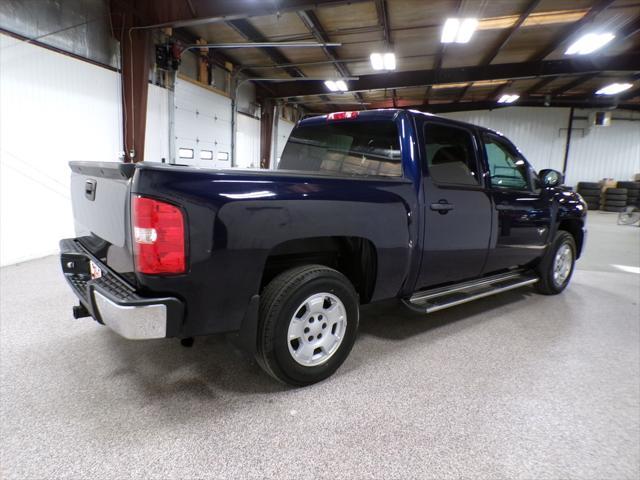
{"x":317,"y":329}
{"x":562,"y":264}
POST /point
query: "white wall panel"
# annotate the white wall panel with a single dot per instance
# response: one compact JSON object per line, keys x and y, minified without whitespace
{"x":156,"y":139}
{"x":53,"y":109}
{"x":537,"y":132}
{"x":247,"y":142}
{"x":611,"y":152}
{"x":202,"y":122}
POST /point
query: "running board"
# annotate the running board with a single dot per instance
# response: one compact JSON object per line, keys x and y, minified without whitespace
{"x":429,"y":301}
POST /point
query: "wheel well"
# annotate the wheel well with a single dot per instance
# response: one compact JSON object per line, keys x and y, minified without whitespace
{"x":354,"y":257}
{"x":574,"y":227}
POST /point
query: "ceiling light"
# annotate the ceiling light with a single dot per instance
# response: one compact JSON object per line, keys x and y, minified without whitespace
{"x":458,"y":30}
{"x":341,"y":86}
{"x":376,"y":61}
{"x":386,"y":61}
{"x":331,"y":85}
{"x":589,"y":43}
{"x":508,"y":98}
{"x":389,"y":61}
{"x":613,"y":89}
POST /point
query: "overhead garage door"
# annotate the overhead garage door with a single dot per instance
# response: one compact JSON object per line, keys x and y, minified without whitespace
{"x":202,"y":126}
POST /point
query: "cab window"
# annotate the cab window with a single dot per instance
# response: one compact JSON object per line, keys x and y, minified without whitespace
{"x":507,"y":169}
{"x":451,"y":155}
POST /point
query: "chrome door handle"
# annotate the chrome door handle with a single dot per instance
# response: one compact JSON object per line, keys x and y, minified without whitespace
{"x":442,"y":207}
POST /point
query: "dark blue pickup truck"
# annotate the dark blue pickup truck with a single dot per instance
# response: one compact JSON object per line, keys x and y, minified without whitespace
{"x":364,"y":206}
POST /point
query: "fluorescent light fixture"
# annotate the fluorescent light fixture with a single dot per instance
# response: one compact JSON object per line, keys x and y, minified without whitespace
{"x":331,"y":85}
{"x":376,"y":61}
{"x":467,"y":27}
{"x":589,"y":43}
{"x":380,"y":61}
{"x":336,"y":85}
{"x":341,"y":86}
{"x":389,"y":61}
{"x":614,"y":88}
{"x":508,"y":98}
{"x":458,"y":30}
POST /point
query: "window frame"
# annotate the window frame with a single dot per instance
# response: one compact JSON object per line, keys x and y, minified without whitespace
{"x":480,"y":171}
{"x":512,"y":149}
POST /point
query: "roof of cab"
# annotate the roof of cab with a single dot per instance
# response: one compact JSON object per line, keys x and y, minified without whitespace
{"x":391,"y":114}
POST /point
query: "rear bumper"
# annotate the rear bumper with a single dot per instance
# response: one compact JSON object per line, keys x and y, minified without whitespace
{"x":115,"y":303}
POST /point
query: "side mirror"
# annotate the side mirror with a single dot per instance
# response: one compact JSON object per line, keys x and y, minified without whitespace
{"x":550,"y":178}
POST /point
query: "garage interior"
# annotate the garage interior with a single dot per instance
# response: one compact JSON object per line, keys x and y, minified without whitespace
{"x":513,"y":386}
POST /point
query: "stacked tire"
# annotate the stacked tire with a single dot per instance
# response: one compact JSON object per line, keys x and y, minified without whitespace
{"x":590,"y":191}
{"x":633,"y":192}
{"x":614,"y":199}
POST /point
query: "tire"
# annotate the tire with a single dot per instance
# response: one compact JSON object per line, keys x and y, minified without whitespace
{"x":613,"y":209}
{"x":590,"y":199}
{"x":615,"y":191}
{"x":629,"y":185}
{"x":582,"y":185}
{"x":615,"y":198}
{"x":589,"y":192}
{"x":549,"y":283}
{"x":283,"y":302}
{"x":593,"y":206}
{"x":615,"y":203}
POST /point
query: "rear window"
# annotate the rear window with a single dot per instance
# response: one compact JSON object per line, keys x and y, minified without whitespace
{"x":344,"y":148}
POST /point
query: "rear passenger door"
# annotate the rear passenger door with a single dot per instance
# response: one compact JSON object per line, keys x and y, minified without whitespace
{"x":521,"y":213}
{"x":457,"y":209}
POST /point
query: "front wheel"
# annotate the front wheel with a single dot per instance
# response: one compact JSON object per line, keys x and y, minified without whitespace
{"x":308,"y":324}
{"x":557,"y":265}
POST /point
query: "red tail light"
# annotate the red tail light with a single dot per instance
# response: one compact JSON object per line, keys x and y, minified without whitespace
{"x":342,"y":115}
{"x":158,"y":237}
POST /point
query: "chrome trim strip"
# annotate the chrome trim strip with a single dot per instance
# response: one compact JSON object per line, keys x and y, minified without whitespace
{"x":440,"y":292}
{"x":487,"y":293}
{"x":132,"y":322}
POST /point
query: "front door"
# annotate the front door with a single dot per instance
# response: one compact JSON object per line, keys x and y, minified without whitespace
{"x":522,"y":212}
{"x":457,"y":209}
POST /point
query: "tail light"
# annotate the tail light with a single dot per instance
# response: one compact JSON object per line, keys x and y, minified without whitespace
{"x":158,"y":236}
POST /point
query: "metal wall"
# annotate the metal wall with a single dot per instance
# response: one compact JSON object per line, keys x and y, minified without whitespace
{"x":540,"y":133}
{"x":80,"y":27}
{"x":53,"y":109}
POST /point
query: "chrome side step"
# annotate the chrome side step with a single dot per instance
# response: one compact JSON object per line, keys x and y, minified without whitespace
{"x":436,"y":299}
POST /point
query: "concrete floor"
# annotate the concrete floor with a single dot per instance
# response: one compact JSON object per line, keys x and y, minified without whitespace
{"x":515,"y":386}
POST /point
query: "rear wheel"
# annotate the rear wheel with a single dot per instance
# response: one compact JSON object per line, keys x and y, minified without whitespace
{"x":556,"y":267}
{"x":308,"y":324}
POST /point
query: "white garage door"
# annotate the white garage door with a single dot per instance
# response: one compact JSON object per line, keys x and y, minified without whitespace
{"x":202,"y":126}
{"x":248,"y":142}
{"x":284,"y":130}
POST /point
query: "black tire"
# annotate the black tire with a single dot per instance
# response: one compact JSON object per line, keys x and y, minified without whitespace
{"x":615,"y":191}
{"x":615,"y":203}
{"x":591,"y":199}
{"x":582,"y":185}
{"x":593,"y":206}
{"x":588,"y":192}
{"x":629,"y":185}
{"x":615,"y":198}
{"x":278,"y":304}
{"x":613,"y":209}
{"x":547,"y":285}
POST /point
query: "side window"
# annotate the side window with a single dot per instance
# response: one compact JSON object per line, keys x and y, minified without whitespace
{"x":506,"y":168}
{"x":450,"y":155}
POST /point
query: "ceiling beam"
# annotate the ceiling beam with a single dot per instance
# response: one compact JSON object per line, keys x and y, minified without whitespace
{"x":508,"y":35}
{"x":226,"y":10}
{"x":580,"y":102}
{"x":569,"y":31}
{"x":383,"y":20}
{"x":539,"y":85}
{"x":572,"y":66}
{"x":573,"y":84}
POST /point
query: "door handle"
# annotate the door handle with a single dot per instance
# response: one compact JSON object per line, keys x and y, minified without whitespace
{"x":442,"y":207}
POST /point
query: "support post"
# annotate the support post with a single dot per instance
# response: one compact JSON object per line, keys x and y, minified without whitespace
{"x":266,"y":132}
{"x":566,"y":149}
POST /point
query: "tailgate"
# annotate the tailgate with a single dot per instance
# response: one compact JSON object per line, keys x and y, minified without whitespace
{"x":100,"y":200}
